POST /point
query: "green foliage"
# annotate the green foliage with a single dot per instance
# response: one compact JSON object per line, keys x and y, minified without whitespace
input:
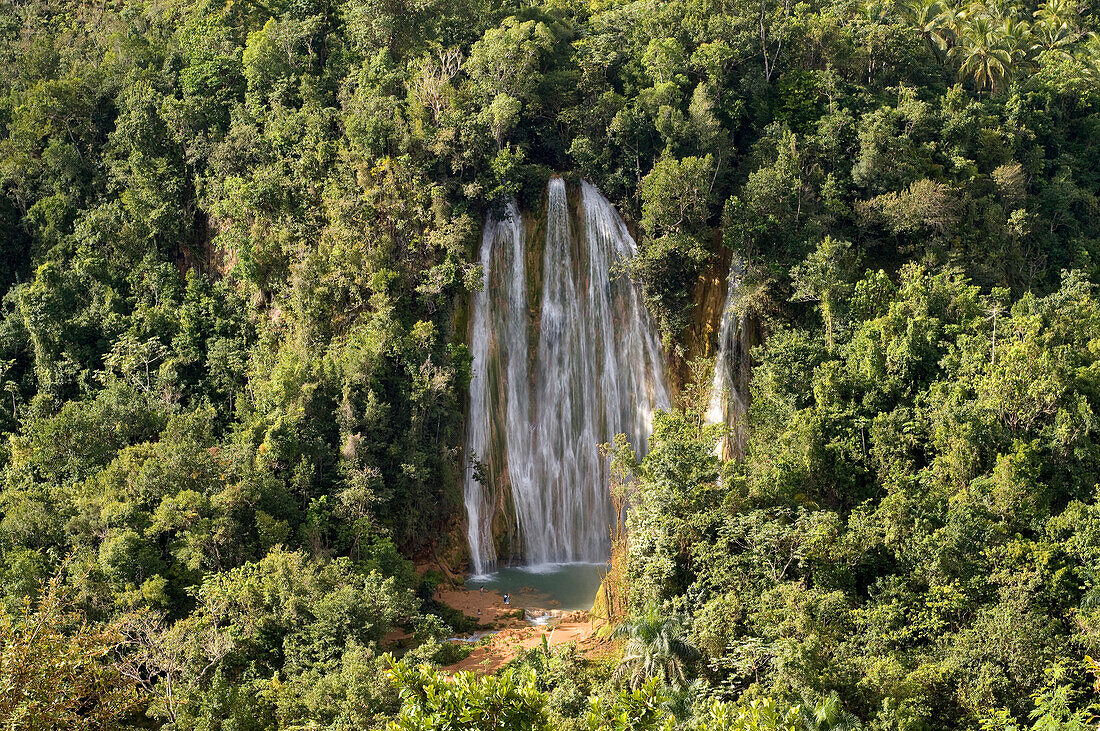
{"x":761,"y":714}
{"x":822,"y":278}
{"x":995,"y":45}
{"x":236,"y":247}
{"x":568,"y":678}
{"x":900,"y":530}
{"x":676,"y":203}
{"x":654,"y":650}
{"x":58,"y":671}
{"x":287,"y":612}
{"x":679,"y":481}
{"x":509,"y":700}
{"x":1056,"y":707}
{"x":636,"y":709}
{"x":278,"y":642}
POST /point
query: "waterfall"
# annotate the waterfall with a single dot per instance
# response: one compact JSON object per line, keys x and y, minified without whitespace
{"x":727,"y":404}
{"x":499,"y":343}
{"x":547,"y":391}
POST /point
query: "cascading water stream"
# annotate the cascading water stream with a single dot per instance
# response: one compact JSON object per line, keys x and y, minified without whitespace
{"x":499,"y":343}
{"x":727,"y":404}
{"x":597,"y":370}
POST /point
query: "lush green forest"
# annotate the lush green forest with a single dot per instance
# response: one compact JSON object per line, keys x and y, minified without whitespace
{"x":238,"y":244}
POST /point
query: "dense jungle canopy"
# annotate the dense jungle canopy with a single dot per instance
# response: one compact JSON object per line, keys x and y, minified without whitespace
{"x":237,"y":245}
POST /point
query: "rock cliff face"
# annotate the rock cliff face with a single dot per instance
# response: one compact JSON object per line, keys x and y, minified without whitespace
{"x":708,"y":299}
{"x":565,"y":356}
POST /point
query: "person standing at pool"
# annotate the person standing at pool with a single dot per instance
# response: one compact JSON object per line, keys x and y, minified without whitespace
{"x":505,"y":598}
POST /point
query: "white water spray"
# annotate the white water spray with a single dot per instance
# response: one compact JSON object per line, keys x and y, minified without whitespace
{"x":727,"y":403}
{"x":598,"y":370}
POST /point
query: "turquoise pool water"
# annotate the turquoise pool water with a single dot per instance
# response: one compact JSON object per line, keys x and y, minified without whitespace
{"x":566,"y":586}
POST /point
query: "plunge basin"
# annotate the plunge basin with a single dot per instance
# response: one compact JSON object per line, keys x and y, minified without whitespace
{"x":565,"y":586}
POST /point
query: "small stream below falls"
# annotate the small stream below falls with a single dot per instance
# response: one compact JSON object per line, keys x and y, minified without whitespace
{"x":565,"y":586}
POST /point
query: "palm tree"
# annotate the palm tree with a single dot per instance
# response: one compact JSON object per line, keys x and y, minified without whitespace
{"x":927,"y":16}
{"x":1055,"y":25}
{"x":983,"y":55}
{"x":951,"y":22}
{"x":997,"y":10}
{"x":828,"y":715}
{"x":655,"y":648}
{"x":1017,"y":39}
{"x":1090,"y":57}
{"x":877,"y":11}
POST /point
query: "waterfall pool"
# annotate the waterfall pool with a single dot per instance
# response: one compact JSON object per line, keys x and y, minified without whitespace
{"x":565,"y":586}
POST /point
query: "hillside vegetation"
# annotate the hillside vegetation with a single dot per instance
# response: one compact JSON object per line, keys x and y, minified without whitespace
{"x":237,"y":242}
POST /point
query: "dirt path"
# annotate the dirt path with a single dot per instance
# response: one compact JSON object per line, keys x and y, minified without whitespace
{"x":508,"y":643}
{"x":487,"y":606}
{"x":513,"y":634}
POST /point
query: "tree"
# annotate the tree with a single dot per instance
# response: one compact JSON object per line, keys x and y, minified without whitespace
{"x":640,"y":709}
{"x":828,"y":715}
{"x":1055,"y":28}
{"x":289,"y":609}
{"x":927,"y":17}
{"x":823,"y":278}
{"x":676,"y":206}
{"x":1056,"y":706}
{"x":58,"y":670}
{"x":170,"y":662}
{"x":760,"y":714}
{"x":676,"y":195}
{"x":504,"y":67}
{"x":655,"y":649}
{"x":133,"y":360}
{"x":431,"y":85}
{"x":509,"y":701}
{"x":983,"y":55}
